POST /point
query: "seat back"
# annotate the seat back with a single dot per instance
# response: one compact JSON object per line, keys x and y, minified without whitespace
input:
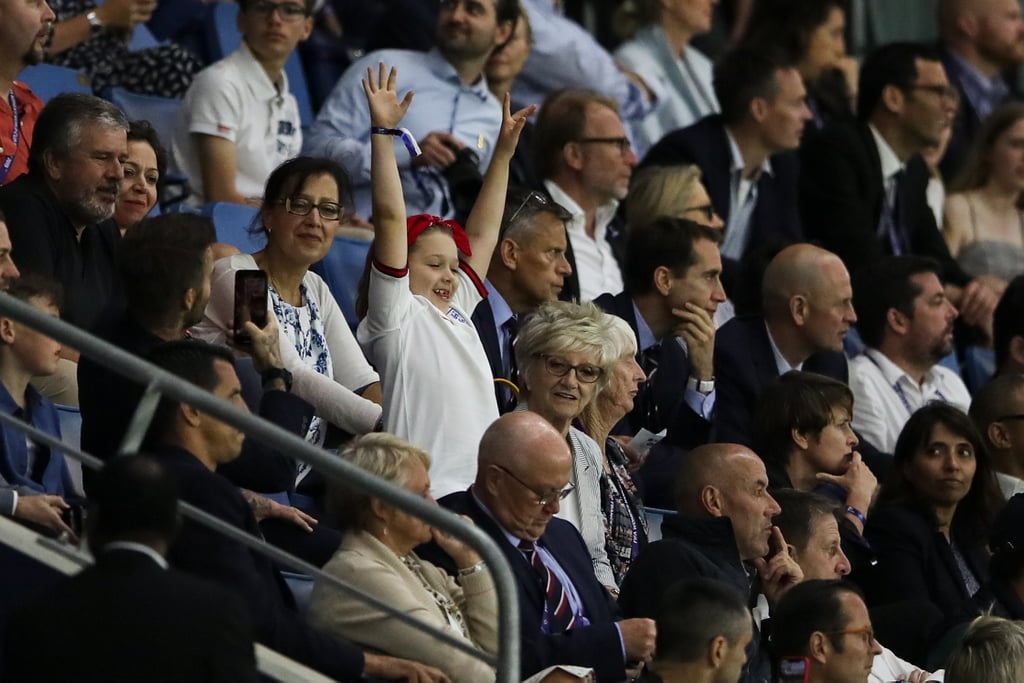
{"x":223,"y":38}
{"x":341,"y":270}
{"x":48,"y":81}
{"x":161,"y":112}
{"x":232,"y":223}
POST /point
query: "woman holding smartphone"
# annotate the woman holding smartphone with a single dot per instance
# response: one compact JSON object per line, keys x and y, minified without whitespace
{"x":933,"y":516}
{"x":301,"y":211}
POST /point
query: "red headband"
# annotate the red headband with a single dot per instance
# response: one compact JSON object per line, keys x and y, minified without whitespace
{"x":421,"y":221}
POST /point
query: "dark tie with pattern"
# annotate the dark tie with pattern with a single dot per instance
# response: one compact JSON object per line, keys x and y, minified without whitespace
{"x":891,"y":227}
{"x":650,"y":416}
{"x":511,"y":329}
{"x":558,"y":614}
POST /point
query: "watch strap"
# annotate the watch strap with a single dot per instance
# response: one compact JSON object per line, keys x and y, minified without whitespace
{"x":271,"y":374}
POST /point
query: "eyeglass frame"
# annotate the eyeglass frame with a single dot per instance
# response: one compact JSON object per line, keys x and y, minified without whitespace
{"x":1007,"y":418}
{"x":569,"y":366}
{"x":287,"y":203}
{"x":623,"y":143}
{"x":707,"y":210}
{"x":868,"y":631}
{"x":539,"y":197}
{"x":542,"y":499}
{"x":266,"y":9}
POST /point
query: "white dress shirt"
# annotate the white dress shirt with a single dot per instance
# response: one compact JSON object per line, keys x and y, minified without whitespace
{"x":596,"y":267}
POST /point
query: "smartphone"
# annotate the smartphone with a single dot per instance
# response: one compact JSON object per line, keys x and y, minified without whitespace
{"x":250,"y":303}
{"x":793,"y":670}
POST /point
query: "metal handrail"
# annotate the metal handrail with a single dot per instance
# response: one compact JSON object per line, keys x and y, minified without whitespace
{"x":156,"y":379}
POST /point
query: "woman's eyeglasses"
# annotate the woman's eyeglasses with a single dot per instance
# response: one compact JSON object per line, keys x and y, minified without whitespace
{"x":297,"y":206}
{"x":559,"y":367}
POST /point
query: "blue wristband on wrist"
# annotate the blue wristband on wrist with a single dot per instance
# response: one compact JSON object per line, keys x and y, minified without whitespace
{"x":857,"y":513}
{"x":407,"y":138}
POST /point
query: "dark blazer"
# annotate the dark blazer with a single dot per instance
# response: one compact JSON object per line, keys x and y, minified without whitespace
{"x":126,"y":619}
{"x":745,"y":366}
{"x":483,"y":320}
{"x":706,"y":144}
{"x":596,"y":645}
{"x":915,"y":563}
{"x":686,"y":428}
{"x":203,"y":552}
{"x":842,"y":194}
{"x":692,"y":548}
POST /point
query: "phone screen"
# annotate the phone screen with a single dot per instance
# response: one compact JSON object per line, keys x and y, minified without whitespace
{"x":250,"y":303}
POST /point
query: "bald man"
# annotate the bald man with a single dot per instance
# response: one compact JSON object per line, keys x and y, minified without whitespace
{"x":724,"y":532}
{"x":981,"y":40}
{"x":807,"y":310}
{"x":522,"y":474}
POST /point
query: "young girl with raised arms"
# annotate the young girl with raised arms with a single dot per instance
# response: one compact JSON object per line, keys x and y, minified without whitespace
{"x":425,"y":280}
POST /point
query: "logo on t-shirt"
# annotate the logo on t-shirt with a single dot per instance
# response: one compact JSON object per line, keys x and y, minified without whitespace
{"x":285,"y":128}
{"x":456,"y":316}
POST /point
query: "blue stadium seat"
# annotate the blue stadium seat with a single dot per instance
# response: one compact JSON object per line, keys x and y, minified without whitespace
{"x":232,"y":222}
{"x":223,"y":38}
{"x":142,"y":38}
{"x":161,"y":112}
{"x":47,"y":80}
{"x":341,"y":270}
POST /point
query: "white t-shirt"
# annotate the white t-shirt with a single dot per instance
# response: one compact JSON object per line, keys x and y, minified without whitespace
{"x":235,"y":99}
{"x":331,"y":395}
{"x":437,"y":382}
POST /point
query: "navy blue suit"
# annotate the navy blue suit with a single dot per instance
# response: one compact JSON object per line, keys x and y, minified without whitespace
{"x":745,"y":366}
{"x":775,"y":219}
{"x":203,"y":552}
{"x":597,"y":645}
{"x":842,"y":194}
{"x":686,"y":428}
{"x":483,"y":320}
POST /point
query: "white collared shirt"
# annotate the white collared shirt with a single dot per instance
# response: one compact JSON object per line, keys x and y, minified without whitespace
{"x":891,"y":164}
{"x":781,"y":364}
{"x":596,"y":267}
{"x":885,"y":396}
{"x":742,"y":200}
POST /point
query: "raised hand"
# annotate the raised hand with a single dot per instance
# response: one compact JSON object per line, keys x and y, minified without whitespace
{"x":697,"y":328}
{"x":386,"y":110}
{"x":511,"y":127}
{"x":779,"y":572}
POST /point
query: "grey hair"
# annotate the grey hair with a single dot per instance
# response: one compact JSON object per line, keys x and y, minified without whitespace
{"x":58,"y":131}
{"x":991,"y":650}
{"x":563,"y":327}
{"x":380,"y":454}
{"x":621,"y":336}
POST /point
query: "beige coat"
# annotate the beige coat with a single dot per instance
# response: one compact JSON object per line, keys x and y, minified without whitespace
{"x":369,"y":565}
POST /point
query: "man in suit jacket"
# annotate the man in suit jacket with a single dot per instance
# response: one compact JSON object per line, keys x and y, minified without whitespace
{"x":863,"y":184}
{"x":528,"y":267}
{"x":585,"y":159}
{"x":673,"y":289}
{"x":193,"y":444}
{"x":523,"y":472}
{"x":742,"y":153}
{"x":807,"y":310}
{"x":981,"y":40}
{"x":130,"y":617}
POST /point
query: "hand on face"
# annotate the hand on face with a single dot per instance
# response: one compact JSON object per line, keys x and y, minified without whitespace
{"x":697,"y":328}
{"x":779,"y":571}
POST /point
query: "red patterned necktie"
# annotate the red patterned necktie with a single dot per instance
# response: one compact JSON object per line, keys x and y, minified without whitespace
{"x":558,"y":614}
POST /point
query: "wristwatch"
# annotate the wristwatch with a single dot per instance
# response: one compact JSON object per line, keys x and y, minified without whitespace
{"x":705,"y":386}
{"x":271,"y":374}
{"x":94,"y":21}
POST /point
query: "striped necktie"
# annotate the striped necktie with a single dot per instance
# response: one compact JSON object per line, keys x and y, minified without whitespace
{"x":558,"y":614}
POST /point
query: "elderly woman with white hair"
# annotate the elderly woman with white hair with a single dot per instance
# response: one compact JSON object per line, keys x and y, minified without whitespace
{"x":565,"y":359}
{"x":624,"y":519}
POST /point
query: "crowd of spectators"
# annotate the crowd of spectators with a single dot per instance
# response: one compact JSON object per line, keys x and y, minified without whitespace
{"x":694,"y":333}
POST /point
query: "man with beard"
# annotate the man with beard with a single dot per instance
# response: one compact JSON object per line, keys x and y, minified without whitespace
{"x":863,"y":183}
{"x":454,"y":115}
{"x":24,"y":29}
{"x":59,"y":214}
{"x":981,"y":40}
{"x":906,"y":321}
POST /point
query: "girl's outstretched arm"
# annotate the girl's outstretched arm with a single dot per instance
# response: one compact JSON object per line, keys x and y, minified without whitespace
{"x":484,"y":222}
{"x":390,"y":247}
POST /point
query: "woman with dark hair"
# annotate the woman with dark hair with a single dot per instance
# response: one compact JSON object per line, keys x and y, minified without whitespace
{"x":984,"y":213}
{"x":933,"y":516}
{"x":145,"y":166}
{"x":303,"y":204}
{"x":812,"y":33}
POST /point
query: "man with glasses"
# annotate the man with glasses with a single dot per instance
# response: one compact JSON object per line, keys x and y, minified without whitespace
{"x":724,"y":532}
{"x":528,"y":268}
{"x":742,"y":152}
{"x":997,"y":410}
{"x":863,"y":183}
{"x":584,"y":157}
{"x":822,"y":627}
{"x":454,"y":117}
{"x":981,"y":40}
{"x":239,"y":121}
{"x":565,"y":615}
